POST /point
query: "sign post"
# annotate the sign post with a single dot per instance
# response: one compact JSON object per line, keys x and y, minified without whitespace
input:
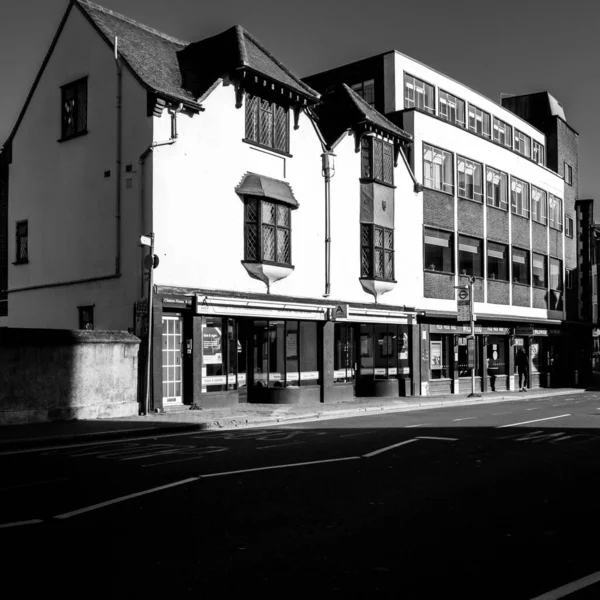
{"x":148,"y":240}
{"x":465,"y":312}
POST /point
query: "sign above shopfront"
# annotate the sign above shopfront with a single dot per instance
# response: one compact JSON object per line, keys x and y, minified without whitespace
{"x":466,"y":329}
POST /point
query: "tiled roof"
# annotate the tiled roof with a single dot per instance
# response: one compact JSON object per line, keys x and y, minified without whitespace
{"x":373,"y":116}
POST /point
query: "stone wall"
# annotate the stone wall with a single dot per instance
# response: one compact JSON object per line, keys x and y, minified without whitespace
{"x":48,"y":375}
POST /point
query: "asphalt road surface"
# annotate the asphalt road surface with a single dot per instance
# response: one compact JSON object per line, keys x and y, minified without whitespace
{"x":491,"y":501}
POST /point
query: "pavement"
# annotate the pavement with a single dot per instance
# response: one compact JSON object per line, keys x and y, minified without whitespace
{"x":55,"y":433}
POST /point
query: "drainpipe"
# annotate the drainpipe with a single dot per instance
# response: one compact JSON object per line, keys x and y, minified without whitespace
{"x":118,"y":160}
{"x":147,"y":400}
{"x":328,"y":171}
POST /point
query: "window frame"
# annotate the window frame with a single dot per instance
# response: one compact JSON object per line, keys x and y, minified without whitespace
{"x":554,"y":219}
{"x":569,"y":225}
{"x":568,"y":173}
{"x":479,"y":253}
{"x":80,"y":109}
{"x":450,"y":245}
{"x":537,"y":152}
{"x":361,"y":89}
{"x":543,"y":218}
{"x":505,"y":261}
{"x":368,"y":145}
{"x":506,"y":130}
{"x":521,"y":211}
{"x":569,"y":279}
{"x":474,"y":164}
{"x":544,"y":285}
{"x":21,"y":250}
{"x":255,"y":111}
{"x":520,"y":138}
{"x":451,"y":102}
{"x":82,"y":322}
{"x":260,"y":225}
{"x":445,"y":188}
{"x":407,"y":101}
{"x":484,"y":114}
{"x":372,"y":248}
{"x":503,"y":176}
{"x":560,"y":286}
{"x":527,"y":264}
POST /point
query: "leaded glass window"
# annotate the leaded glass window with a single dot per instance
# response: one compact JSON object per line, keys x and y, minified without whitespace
{"x":377,"y":159}
{"x":377,"y":252}
{"x":268,"y":234}
{"x":267,"y":123}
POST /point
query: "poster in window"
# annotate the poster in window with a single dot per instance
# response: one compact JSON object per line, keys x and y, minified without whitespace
{"x":436,"y":355}
{"x":291,"y":345}
{"x":212,"y":352}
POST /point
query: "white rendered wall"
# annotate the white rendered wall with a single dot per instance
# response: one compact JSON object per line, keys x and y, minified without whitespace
{"x":198,"y":218}
{"x":61,"y":190}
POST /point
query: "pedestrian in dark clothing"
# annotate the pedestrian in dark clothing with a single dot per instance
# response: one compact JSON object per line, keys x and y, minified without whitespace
{"x":522,"y":364}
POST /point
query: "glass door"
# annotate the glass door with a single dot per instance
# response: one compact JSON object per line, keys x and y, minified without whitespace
{"x":172,"y":376}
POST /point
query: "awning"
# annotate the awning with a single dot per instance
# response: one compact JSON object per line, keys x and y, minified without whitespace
{"x":267,"y":187}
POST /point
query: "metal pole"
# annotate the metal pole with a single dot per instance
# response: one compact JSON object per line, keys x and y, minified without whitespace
{"x":472,"y":335}
{"x":149,"y":347}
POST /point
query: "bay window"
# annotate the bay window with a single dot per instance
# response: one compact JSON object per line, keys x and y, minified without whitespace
{"x":377,"y":159}
{"x":268,"y":231}
{"x":377,"y":252}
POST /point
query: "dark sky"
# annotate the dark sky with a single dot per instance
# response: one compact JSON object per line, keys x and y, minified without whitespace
{"x":513,"y":46}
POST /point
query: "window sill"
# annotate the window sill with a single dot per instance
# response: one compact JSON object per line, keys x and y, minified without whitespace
{"x":451,"y":194}
{"x":521,"y":284}
{"x":468,"y":276}
{"x":498,"y":280}
{"x":72,"y":136}
{"x":540,"y":222}
{"x":275,"y":151}
{"x":540,"y":287}
{"x":269,"y":263}
{"x":21,"y":262}
{"x":555,"y":228}
{"x":438,"y":272}
{"x":373,"y":180}
{"x":520,"y":216}
{"x":471,"y":200}
{"x":505,"y":209}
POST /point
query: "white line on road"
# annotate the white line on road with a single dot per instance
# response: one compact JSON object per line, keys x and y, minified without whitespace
{"x":534,"y":421}
{"x":302,"y":464}
{"x":430,"y":437}
{"x":464,"y":419}
{"x":389,"y":448}
{"x":419,"y":425}
{"x":30,"y":484}
{"x":80,"y":511}
{"x":502,"y":413}
{"x":534,"y":408}
{"x":19,"y":523}
{"x":277,"y":445}
{"x":574,"y":586}
{"x":363,"y":433}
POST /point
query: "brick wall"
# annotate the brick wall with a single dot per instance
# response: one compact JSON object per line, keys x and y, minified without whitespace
{"x":477,"y":287}
{"x":540,"y":298}
{"x":497,"y":225}
{"x":520,"y":295}
{"x":555,"y":243}
{"x":498,"y":292}
{"x":539,"y":235}
{"x":439,"y":285}
{"x":438,"y":209}
{"x":520,"y":232}
{"x":470,"y":218}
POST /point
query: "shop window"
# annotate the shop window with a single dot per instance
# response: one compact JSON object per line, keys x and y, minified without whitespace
{"x":496,"y":355}
{"x":438,"y":169}
{"x":439,"y":250}
{"x":268,"y":231}
{"x":540,"y":270}
{"x":377,"y":252}
{"x":384,"y":351}
{"x":74,"y":109}
{"x":285,"y":353}
{"x":497,"y":261}
{"x":470,"y":256}
{"x":343,"y":360}
{"x":463,"y":358}
{"x":470,"y":179}
{"x":377,"y":159}
{"x":497,"y":188}
{"x":440,"y":356}
{"x":418,"y":94}
{"x":520,"y":266}
{"x":539,"y":205}
{"x":267,"y":123}
{"x":86,"y":317}
{"x":219,"y":354}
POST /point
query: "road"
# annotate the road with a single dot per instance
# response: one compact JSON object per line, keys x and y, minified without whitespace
{"x":491,"y":501}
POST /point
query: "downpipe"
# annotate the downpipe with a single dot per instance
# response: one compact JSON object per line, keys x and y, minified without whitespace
{"x":328,"y":171}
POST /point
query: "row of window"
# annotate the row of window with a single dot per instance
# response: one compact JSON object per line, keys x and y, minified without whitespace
{"x":524,"y":266}
{"x":525,"y":198}
{"x":420,"y":94}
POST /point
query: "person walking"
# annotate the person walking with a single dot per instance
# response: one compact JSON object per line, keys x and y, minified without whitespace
{"x":522,"y":364}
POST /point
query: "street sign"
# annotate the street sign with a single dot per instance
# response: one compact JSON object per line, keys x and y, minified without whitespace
{"x":463,"y":304}
{"x":145,"y":240}
{"x":470,"y":353}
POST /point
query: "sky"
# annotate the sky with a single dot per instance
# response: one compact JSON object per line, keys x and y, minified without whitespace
{"x":499,"y":46}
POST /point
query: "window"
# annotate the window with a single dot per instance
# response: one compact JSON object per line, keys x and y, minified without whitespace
{"x":569,"y":227}
{"x":439,"y":251}
{"x":539,"y":206}
{"x":418,"y":94}
{"x":451,"y":109}
{"x":538,"y":152}
{"x":502,"y":133}
{"x":519,"y":197}
{"x":555,"y":212}
{"x":343,"y":358}
{"x":86,"y":317}
{"x":268,"y":231}
{"x":497,"y":261}
{"x":569,"y":280}
{"x":440,"y":356}
{"x":520,"y":266}
{"x":568,"y":173}
{"x":267,"y":123}
{"x":438,"y":171}
{"x":377,"y":252}
{"x":522,"y":143}
{"x":497,"y":188}
{"x":479,"y":121}
{"x":22,"y":250}
{"x":377,"y":159}
{"x":74,"y":108}
{"x":470,"y":179}
{"x":540,"y":270}
{"x":366,"y":90}
{"x":470,"y":256}
{"x":556,"y":282}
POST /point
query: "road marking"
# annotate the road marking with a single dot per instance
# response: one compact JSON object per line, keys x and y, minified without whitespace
{"x":502,"y":413}
{"x":569,"y":588}
{"x":430,"y":437}
{"x":534,"y":421}
{"x":419,"y":425}
{"x":19,"y":523}
{"x":363,"y":433}
{"x":32,"y":483}
{"x":464,"y":419}
{"x":389,"y":448}
{"x":80,"y":511}
{"x":534,"y":408}
{"x":277,"y":445}
{"x":302,"y":464}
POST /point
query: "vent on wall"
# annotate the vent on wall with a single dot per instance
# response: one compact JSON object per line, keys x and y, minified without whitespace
{"x":106,"y":173}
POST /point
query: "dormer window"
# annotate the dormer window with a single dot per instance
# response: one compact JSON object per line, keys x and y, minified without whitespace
{"x":377,"y":160}
{"x":267,"y":123}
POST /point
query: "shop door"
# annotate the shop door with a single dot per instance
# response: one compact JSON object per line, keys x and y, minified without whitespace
{"x":172,"y":371}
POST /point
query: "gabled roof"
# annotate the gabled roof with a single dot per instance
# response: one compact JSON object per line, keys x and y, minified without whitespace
{"x":342,"y":109}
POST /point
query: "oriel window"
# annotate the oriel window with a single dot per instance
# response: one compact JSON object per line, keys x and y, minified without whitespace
{"x":377,"y":252}
{"x":268,"y":231}
{"x":377,"y":159}
{"x":74,"y":108}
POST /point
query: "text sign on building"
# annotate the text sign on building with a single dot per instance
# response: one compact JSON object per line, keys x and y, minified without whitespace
{"x":470,"y":353}
{"x":463,"y":304}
